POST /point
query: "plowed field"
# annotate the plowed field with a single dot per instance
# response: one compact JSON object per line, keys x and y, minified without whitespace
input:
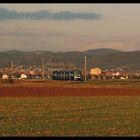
{"x":62,"y":91}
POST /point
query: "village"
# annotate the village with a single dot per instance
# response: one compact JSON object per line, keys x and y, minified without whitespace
{"x":34,"y":72}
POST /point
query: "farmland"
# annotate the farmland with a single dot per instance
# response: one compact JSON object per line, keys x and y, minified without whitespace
{"x":59,"y":108}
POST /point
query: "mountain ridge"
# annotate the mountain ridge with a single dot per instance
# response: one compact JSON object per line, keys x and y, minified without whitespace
{"x":103,"y":58}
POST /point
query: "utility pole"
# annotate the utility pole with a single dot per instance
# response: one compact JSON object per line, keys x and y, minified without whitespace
{"x":43,"y":68}
{"x":12,"y":69}
{"x":85,"y":68}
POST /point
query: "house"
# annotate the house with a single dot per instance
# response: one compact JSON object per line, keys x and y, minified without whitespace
{"x":95,"y":71}
{"x":112,"y":73}
{"x":23,"y":76}
{"x":5,"y":77}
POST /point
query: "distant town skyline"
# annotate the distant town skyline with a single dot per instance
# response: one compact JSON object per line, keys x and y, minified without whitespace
{"x":69,"y":27}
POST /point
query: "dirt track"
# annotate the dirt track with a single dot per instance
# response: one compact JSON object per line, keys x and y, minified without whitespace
{"x":61,"y":91}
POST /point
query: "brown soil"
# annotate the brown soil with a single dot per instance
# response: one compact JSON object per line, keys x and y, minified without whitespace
{"x":66,"y":91}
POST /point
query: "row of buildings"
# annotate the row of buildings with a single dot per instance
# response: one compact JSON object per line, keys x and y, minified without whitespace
{"x":64,"y":74}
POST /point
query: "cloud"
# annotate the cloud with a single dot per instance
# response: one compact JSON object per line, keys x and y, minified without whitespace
{"x":20,"y":34}
{"x":64,"y":15}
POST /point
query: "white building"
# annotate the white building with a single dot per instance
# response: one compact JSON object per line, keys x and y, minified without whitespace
{"x":23,"y":76}
{"x":5,"y":77}
{"x":95,"y":71}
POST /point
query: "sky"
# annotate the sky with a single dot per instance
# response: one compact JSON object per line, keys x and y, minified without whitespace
{"x":69,"y":27}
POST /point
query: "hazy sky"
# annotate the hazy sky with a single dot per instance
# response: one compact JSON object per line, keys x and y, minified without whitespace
{"x":69,"y":27}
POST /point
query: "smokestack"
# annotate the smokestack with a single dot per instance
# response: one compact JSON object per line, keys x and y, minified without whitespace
{"x":12,"y":69}
{"x":43,"y":68}
{"x":85,"y":68}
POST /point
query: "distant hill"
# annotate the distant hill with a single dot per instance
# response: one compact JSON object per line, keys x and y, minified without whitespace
{"x":101,"y":52}
{"x":103,"y":58}
{"x":129,"y":61}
